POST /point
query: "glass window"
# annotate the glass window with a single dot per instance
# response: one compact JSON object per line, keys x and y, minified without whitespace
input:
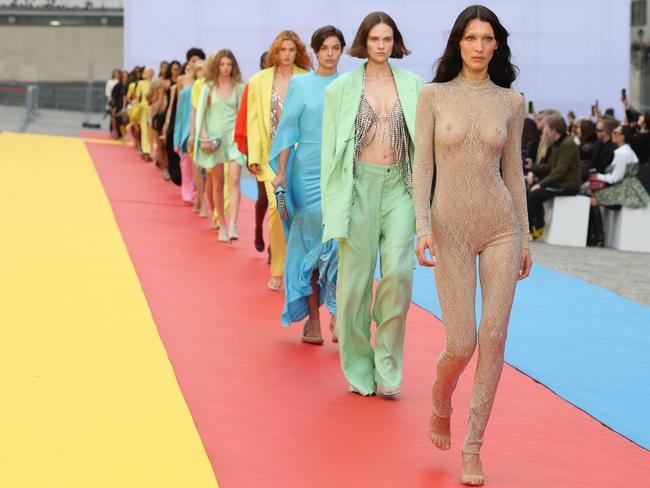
{"x":639,"y":12}
{"x":62,"y":20}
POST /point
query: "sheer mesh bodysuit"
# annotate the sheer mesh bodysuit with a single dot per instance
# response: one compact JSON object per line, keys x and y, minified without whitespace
{"x":464,"y":129}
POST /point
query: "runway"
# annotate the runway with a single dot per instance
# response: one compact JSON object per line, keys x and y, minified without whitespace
{"x":139,"y":351}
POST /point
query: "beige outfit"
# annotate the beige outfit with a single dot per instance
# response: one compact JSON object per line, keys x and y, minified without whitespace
{"x":464,"y":129}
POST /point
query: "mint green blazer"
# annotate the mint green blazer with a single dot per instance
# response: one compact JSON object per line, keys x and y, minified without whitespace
{"x":340,"y":108}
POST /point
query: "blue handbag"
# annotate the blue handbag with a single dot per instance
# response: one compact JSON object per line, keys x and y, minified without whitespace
{"x":285,"y":205}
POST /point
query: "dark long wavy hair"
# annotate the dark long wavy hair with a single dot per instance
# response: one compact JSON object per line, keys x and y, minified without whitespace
{"x":502,"y":72}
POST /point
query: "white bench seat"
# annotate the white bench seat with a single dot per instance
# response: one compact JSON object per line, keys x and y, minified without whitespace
{"x":627,"y":229}
{"x":567,"y":221}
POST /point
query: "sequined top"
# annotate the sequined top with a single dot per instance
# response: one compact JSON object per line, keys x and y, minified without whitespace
{"x":465,"y":129}
{"x":276,"y":111}
{"x":390,"y":128}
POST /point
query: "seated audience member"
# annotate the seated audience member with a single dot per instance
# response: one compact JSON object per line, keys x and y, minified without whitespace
{"x":603,"y":150}
{"x":617,"y":187}
{"x":544,"y":143}
{"x":586,"y":132}
{"x":557,"y":175}
{"x":529,"y":141}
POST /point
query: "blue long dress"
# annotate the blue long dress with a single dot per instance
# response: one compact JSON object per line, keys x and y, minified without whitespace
{"x":300,"y":129}
{"x":182,"y":122}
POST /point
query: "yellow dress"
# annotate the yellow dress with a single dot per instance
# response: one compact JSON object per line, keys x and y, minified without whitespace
{"x":258,"y":127}
{"x":141,"y":91}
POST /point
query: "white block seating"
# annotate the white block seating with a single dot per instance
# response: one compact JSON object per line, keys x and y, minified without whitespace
{"x":627,"y":229}
{"x":567,"y":221}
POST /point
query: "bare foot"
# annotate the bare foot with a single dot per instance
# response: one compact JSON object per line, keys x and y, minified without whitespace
{"x":472,"y":470}
{"x":440,"y":432}
{"x":335,"y":337}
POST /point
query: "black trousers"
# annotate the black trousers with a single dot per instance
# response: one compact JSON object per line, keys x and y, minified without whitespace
{"x":536,"y":201}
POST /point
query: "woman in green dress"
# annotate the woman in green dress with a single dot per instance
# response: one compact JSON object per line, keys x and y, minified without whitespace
{"x":215,"y":147}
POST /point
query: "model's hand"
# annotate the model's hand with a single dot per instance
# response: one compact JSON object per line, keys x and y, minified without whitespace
{"x":279,"y":180}
{"x":206,"y":147}
{"x":425,"y":242}
{"x":254,"y":168}
{"x":526,"y":264}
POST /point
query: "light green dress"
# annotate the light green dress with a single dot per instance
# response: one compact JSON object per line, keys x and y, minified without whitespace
{"x":220,"y":120}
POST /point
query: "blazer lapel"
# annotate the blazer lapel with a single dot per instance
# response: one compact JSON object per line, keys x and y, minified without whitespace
{"x":349,"y":104}
{"x":407,"y":92}
{"x":266,"y":87}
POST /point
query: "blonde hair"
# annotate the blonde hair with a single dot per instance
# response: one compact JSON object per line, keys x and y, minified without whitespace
{"x":302,"y":56}
{"x":211,"y":66}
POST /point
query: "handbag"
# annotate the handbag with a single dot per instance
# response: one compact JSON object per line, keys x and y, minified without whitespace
{"x":285,"y":205}
{"x":597,"y":185}
{"x":215,"y":144}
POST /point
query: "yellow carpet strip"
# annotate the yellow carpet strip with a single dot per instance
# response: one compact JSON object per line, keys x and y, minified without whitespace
{"x":89,"y":398}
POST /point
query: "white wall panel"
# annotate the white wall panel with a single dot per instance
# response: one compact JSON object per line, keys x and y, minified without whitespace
{"x":570,"y":52}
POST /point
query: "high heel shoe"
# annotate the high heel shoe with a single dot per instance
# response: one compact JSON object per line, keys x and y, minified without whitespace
{"x":391,"y":392}
{"x":316,"y":340}
{"x":223,"y":234}
{"x":259,"y":240}
{"x":275,"y":283}
{"x":472,"y":470}
{"x":232,"y":232}
{"x":335,"y":337}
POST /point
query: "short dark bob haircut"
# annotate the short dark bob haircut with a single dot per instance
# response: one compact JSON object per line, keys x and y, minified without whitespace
{"x":194,"y":51}
{"x":502,"y":72}
{"x":320,"y":35}
{"x":359,"y":45}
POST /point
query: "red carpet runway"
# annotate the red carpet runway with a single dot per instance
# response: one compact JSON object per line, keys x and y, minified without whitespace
{"x":273,"y":412}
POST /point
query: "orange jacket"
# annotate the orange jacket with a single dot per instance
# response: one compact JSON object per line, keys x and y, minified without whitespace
{"x":241,"y":135}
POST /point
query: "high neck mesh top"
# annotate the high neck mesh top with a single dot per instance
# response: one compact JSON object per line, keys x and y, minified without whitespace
{"x":470,"y":132}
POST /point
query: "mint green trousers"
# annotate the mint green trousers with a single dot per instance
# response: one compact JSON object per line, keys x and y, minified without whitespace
{"x":381,"y":219}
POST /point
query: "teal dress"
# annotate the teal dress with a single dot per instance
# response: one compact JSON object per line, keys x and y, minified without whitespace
{"x":182,"y":123}
{"x":300,"y":129}
{"x":220,"y":123}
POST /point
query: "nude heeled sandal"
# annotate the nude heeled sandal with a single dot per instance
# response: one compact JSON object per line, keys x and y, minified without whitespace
{"x":315,"y":340}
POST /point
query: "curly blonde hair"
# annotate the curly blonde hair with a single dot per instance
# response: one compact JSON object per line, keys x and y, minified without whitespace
{"x":302,"y":56}
{"x":211,"y":66}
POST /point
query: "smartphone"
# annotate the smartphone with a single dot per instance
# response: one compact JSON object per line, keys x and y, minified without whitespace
{"x":530,"y":107}
{"x":624,"y":94}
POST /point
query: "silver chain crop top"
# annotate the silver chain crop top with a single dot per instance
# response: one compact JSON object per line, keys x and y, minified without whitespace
{"x":368,"y":125}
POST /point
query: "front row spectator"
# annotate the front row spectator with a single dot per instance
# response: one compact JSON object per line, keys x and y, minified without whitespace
{"x":617,"y":187}
{"x":586,"y":132}
{"x":603,"y":150}
{"x":558,"y":174}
